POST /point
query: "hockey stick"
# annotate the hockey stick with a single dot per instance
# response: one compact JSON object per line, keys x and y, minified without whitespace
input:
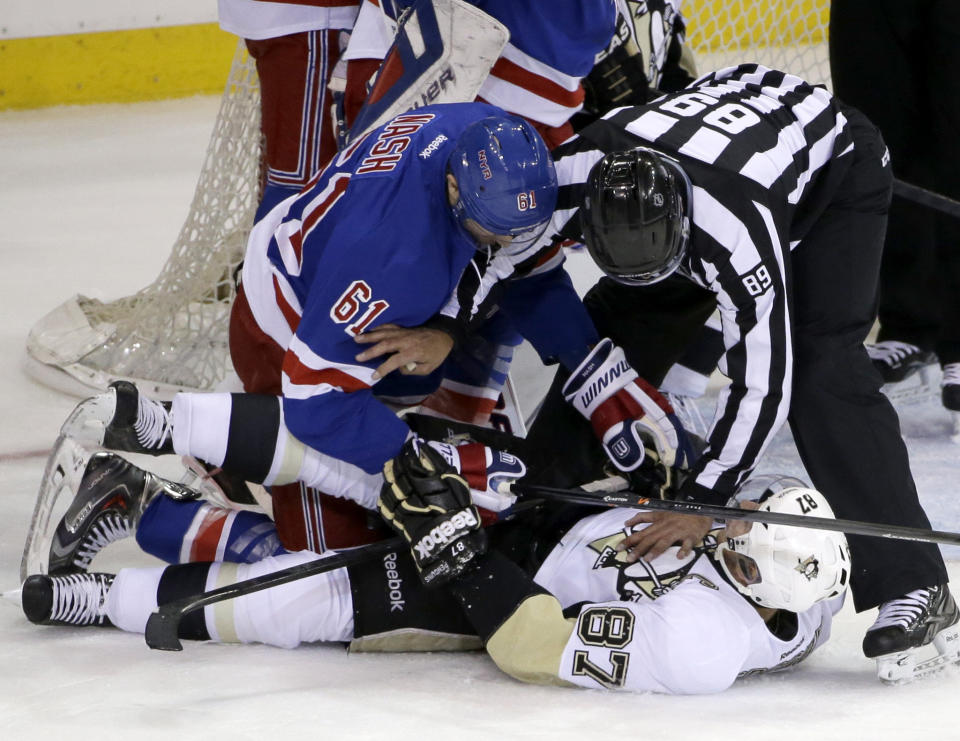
{"x":927,"y":198}
{"x":629,"y":499}
{"x":162,"y":625}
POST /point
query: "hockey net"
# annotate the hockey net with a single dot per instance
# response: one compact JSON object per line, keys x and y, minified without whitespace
{"x":790,"y":35}
{"x":172,"y":335}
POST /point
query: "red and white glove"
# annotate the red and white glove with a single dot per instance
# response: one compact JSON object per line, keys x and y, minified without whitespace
{"x":623,"y":409}
{"x":486,"y":471}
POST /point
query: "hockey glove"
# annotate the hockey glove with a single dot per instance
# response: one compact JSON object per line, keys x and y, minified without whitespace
{"x":488,"y":472}
{"x":625,"y":410}
{"x":428,"y":503}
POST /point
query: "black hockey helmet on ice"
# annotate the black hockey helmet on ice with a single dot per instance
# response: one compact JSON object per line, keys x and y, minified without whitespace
{"x":636,"y":215}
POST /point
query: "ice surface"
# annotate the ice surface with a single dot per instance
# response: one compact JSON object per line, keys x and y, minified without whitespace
{"x":91,"y":199}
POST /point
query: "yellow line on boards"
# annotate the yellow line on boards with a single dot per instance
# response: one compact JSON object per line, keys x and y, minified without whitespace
{"x":114,"y":66}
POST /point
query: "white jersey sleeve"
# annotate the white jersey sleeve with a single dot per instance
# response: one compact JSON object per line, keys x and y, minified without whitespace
{"x":671,"y":625}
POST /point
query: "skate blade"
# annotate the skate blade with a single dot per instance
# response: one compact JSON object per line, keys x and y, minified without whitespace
{"x":906,"y":667}
{"x":63,"y":472}
{"x":89,"y":419}
{"x":918,"y":387}
{"x":955,"y":430}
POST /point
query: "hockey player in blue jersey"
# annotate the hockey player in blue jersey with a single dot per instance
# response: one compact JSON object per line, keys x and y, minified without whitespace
{"x":381,"y":236}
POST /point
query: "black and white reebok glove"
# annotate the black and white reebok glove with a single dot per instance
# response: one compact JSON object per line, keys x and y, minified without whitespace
{"x":428,"y":503}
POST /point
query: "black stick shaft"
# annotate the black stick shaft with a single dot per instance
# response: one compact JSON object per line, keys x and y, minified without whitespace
{"x":928,"y":198}
{"x":718,"y":512}
{"x":162,"y":626}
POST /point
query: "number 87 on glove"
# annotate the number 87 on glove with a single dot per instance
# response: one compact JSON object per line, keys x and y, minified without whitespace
{"x":624,"y":410}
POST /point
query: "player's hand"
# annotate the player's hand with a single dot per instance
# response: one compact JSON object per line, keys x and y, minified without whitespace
{"x":414,"y":351}
{"x":625,"y":411}
{"x":667,"y":529}
{"x":425,"y":500}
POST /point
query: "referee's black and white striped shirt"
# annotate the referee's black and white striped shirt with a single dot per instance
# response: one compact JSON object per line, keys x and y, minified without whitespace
{"x":765,"y":152}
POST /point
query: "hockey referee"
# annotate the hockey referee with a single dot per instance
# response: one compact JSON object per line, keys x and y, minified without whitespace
{"x":760,"y":195}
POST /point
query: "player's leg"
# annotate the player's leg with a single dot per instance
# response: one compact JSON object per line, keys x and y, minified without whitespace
{"x":112,"y":499}
{"x":379,"y":605}
{"x":885,"y":41}
{"x":941,"y":58}
{"x":317,"y":608}
{"x":296,"y":124}
{"x":306,"y":516}
{"x":846,"y":431}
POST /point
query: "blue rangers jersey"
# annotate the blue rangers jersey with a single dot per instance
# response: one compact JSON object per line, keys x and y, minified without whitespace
{"x":372,"y":240}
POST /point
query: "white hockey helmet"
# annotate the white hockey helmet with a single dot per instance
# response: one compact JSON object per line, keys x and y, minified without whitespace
{"x":790,"y":568}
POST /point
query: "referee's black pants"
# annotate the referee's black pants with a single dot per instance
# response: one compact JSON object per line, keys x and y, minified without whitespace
{"x":846,"y":430}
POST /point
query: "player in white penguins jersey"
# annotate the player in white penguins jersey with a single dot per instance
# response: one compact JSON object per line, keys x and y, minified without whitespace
{"x":590,"y":616}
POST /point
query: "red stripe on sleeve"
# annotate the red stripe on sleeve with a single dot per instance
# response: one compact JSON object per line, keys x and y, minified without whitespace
{"x":289,"y":313}
{"x":311,"y":219}
{"x":537,"y":84}
{"x":301,"y":375}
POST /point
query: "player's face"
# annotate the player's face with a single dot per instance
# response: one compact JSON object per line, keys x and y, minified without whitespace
{"x":743,"y":568}
{"x":481,"y":236}
{"x":485,"y":237}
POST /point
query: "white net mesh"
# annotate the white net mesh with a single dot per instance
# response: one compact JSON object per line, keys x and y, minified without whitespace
{"x":790,"y":35}
{"x":172,"y":335}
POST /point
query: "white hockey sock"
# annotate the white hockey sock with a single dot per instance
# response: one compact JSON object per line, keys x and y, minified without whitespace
{"x":133,"y":597}
{"x":202,"y":425}
{"x":318,"y":608}
{"x":294,"y":461}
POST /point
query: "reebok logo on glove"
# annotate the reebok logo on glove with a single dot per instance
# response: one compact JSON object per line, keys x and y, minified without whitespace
{"x":440,"y":536}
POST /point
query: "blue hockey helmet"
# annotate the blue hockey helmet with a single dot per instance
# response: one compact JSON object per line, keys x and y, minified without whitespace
{"x":506,"y":178}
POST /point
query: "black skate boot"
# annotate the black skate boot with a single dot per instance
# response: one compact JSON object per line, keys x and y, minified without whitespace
{"x":72,"y":599}
{"x":950,"y":387}
{"x":897,"y":361}
{"x":107,"y":505}
{"x":905,"y":626}
{"x":121,"y":418}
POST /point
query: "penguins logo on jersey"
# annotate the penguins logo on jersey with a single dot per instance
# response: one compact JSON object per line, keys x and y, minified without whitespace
{"x":639,"y":580}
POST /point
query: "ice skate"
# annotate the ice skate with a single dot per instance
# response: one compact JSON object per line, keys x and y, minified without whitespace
{"x":121,"y":418}
{"x":915,"y":636}
{"x":111,"y":496}
{"x":950,"y":396}
{"x":897,"y":361}
{"x":71,"y":599}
